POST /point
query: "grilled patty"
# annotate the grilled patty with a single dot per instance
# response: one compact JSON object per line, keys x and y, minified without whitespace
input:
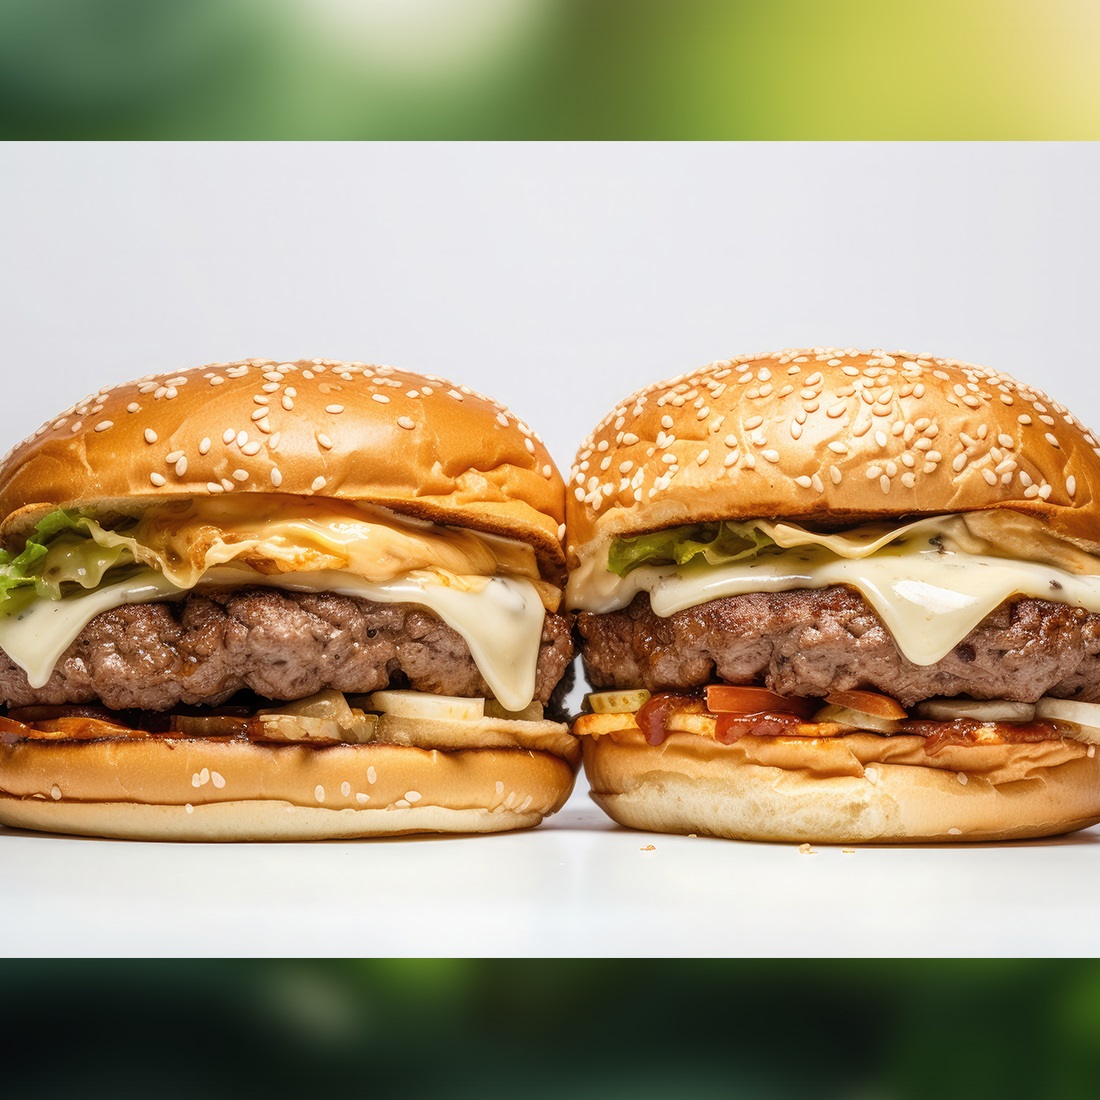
{"x":281,"y":645}
{"x":811,"y":641}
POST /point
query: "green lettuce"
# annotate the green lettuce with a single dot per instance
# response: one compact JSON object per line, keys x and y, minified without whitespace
{"x":714,"y":543}
{"x":58,"y":551}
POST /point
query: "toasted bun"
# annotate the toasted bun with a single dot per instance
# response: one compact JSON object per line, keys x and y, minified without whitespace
{"x":834,"y":438}
{"x":414,"y":443}
{"x":180,"y":789}
{"x":860,"y":788}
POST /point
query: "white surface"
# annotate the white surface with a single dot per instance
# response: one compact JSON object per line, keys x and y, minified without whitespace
{"x":576,"y":885}
{"x":558,"y":278}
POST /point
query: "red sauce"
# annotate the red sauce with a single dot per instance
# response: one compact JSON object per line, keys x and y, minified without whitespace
{"x":653,"y":716}
{"x":729,"y":727}
{"x":965,"y":731}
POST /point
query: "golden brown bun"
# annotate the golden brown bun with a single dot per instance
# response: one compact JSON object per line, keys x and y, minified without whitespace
{"x":178,"y":789}
{"x":417,"y":444}
{"x":834,"y":438}
{"x":861,"y":788}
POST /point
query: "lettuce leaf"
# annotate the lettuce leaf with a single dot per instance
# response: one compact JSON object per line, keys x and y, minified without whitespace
{"x":715,"y":543}
{"x":58,"y":551}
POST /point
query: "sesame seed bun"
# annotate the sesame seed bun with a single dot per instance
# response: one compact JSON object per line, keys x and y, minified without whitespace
{"x":195,"y":789}
{"x":414,"y":443}
{"x":860,"y":788}
{"x":832,"y":437}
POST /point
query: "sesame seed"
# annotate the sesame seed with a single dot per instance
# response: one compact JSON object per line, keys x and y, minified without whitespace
{"x":157,"y":479}
{"x":1071,"y":485}
{"x":319,"y":793}
{"x":838,"y":447}
{"x":172,"y":457}
{"x":103,"y":425}
{"x":324,"y":441}
{"x":960,"y":461}
{"x":227,"y":485}
{"x":989,"y":475}
{"x":408,"y":423}
{"x":270,"y":387}
{"x":181,"y":466}
{"x":336,"y":409}
{"x":204,"y":446}
{"x":629,"y":439}
{"x":217,"y":779}
{"x":1023,"y":418}
{"x":150,"y":435}
{"x":702,"y":457}
{"x":228,"y":436}
{"x":260,"y":413}
{"x":319,"y":483}
{"x":1052,"y":440}
{"x":836,"y":410}
{"x":835,"y":475}
{"x":771,"y":455}
{"x":214,"y":487}
{"x":527,"y":442}
{"x":666,"y":421}
{"x":251,"y":448}
{"x":803,"y":481}
{"x":753,"y":422}
{"x":240,"y":475}
{"x":276,"y":476}
{"x":133,"y":407}
{"x":287,"y":403}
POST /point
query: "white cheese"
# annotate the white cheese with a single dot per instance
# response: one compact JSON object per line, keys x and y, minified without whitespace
{"x":929,"y":599}
{"x":500,"y":618}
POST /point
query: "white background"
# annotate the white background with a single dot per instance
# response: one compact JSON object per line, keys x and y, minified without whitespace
{"x":558,"y":278}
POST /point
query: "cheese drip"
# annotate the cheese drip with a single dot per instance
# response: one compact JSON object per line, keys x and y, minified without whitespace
{"x":500,"y":618}
{"x":929,"y":595}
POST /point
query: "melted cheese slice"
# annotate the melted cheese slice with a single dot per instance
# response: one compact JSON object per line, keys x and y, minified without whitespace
{"x":500,"y":618}
{"x":928,"y":598}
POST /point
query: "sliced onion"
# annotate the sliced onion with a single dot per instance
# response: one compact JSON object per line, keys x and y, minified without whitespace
{"x":325,"y":704}
{"x":617,"y":702}
{"x":294,"y":727}
{"x":981,"y":710}
{"x":1084,"y":718}
{"x":857,"y":719}
{"x":531,"y":713}
{"x":209,"y":725}
{"x":422,"y":704}
{"x":868,"y":702}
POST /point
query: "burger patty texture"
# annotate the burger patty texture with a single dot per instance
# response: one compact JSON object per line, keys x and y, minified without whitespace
{"x":809,"y":642}
{"x":281,"y":645}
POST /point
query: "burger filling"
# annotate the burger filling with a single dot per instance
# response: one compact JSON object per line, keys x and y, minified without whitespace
{"x":978,"y":610}
{"x":198,"y":603}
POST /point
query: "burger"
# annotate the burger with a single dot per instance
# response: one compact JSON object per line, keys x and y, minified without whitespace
{"x":272,"y":601}
{"x":840,"y":596}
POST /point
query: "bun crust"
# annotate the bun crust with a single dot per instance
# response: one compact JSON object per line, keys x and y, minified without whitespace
{"x":193,"y":789}
{"x":860,"y":788}
{"x":414,"y":443}
{"x":834,"y":437}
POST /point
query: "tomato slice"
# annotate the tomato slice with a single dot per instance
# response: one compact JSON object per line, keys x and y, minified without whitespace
{"x":868,"y":702}
{"x":728,"y":699}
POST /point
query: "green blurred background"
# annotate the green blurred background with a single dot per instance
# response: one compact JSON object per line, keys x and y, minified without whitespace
{"x":545,"y":69}
{"x":851,"y":1030}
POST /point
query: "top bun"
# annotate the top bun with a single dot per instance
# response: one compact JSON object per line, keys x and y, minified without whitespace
{"x":416,"y":444}
{"x":834,"y":437}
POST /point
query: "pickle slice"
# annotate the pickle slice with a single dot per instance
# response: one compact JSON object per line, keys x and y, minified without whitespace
{"x":617,"y":702}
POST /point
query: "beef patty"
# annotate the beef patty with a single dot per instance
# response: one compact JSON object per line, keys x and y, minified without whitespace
{"x":281,"y":645}
{"x":812,"y":641}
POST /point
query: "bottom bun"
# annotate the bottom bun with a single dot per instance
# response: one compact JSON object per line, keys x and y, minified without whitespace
{"x":194,"y":789}
{"x":860,"y":788}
